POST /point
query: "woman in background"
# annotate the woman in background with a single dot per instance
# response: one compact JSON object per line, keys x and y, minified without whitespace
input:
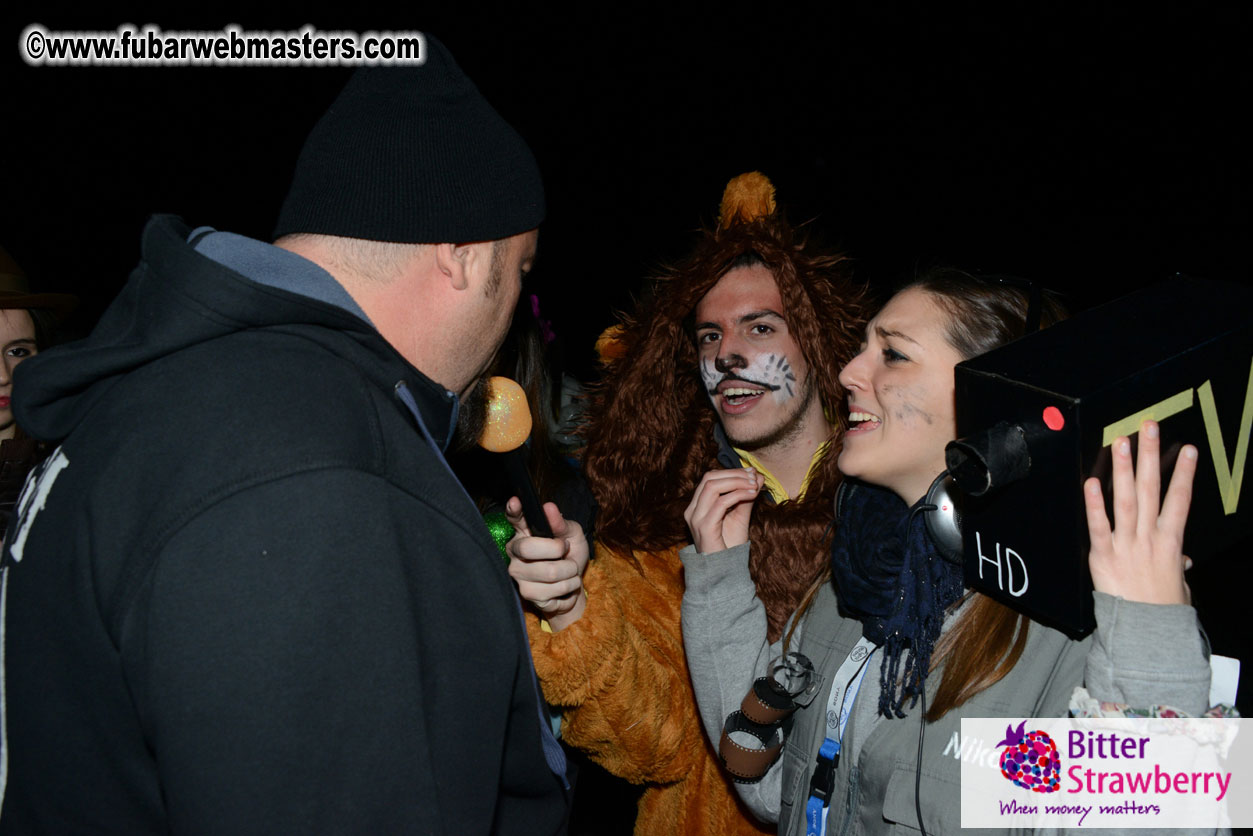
{"x":26,"y":325}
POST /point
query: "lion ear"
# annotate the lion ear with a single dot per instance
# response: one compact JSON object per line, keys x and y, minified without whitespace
{"x":610,"y":345}
{"x":747,"y":198}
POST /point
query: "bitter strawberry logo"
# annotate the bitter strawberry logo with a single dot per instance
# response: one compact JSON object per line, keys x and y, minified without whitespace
{"x":1030,"y":759}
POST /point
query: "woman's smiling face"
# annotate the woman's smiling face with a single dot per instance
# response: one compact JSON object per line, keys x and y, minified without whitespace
{"x":900,"y":397}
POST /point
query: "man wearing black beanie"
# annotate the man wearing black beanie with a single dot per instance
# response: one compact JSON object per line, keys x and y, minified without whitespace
{"x":246,"y":594}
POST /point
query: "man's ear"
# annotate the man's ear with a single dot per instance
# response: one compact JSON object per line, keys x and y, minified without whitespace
{"x":450,"y":260}
{"x":456,"y":262}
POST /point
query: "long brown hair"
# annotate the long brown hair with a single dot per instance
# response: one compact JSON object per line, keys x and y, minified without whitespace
{"x":650,"y":433}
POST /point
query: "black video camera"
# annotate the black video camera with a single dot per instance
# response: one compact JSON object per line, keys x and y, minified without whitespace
{"x":1036,"y":417}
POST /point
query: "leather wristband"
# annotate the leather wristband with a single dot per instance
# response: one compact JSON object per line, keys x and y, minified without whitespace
{"x":748,"y":766}
{"x":761,"y":714}
{"x":767,"y":703}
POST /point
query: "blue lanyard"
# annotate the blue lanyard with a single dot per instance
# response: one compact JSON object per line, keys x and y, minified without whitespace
{"x":839,"y":707}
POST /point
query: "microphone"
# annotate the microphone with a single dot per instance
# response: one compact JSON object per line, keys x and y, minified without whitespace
{"x":507,"y":429}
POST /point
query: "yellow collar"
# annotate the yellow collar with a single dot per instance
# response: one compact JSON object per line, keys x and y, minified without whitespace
{"x":777,"y":492}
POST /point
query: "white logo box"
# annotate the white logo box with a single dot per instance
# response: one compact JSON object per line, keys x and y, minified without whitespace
{"x":1124,"y":773}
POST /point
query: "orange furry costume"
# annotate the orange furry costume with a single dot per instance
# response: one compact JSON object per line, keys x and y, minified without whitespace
{"x":619,"y":672}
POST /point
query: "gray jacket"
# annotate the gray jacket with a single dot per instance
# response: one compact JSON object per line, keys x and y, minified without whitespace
{"x":1141,"y":654}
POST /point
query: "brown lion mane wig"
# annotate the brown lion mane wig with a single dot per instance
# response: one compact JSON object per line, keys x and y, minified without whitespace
{"x":650,"y":431}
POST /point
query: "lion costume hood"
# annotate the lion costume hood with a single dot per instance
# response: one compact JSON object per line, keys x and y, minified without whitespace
{"x":650,"y":433}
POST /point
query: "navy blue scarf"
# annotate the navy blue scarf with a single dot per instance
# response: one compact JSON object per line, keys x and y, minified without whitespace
{"x":890,"y":576}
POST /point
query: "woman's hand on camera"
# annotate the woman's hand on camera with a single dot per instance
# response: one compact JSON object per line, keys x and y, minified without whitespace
{"x":721,"y":507}
{"x":1142,"y":558}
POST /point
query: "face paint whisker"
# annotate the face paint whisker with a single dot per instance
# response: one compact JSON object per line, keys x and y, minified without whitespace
{"x":770,"y":372}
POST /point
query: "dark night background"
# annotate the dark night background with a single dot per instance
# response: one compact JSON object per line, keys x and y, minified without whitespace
{"x":1095,"y":149}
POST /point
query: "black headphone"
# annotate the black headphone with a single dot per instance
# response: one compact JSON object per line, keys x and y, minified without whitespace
{"x":944,"y":517}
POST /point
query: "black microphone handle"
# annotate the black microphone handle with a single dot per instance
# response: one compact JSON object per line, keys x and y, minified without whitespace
{"x":520,"y":479}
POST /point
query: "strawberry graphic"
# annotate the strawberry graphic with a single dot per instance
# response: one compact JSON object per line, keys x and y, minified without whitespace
{"x":1030,"y":759}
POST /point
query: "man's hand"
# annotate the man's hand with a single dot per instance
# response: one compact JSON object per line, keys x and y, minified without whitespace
{"x":549,"y":571}
{"x":1142,"y":558}
{"x":720,"y":509}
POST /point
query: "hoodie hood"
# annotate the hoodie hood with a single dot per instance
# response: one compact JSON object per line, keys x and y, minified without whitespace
{"x":175,"y":299}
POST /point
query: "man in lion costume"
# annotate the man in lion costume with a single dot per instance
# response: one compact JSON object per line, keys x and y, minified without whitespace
{"x":720,"y":396}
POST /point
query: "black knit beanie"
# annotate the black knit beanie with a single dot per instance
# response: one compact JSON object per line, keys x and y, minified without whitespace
{"x":413,"y":155}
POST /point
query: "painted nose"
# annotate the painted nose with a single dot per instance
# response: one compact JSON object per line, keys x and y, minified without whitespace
{"x":729,"y":362}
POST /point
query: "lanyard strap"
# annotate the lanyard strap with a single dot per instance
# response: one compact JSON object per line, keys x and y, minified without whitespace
{"x":844,"y":687}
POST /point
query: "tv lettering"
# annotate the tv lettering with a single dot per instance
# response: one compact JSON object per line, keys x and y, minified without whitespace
{"x":1006,"y":561}
{"x":1230,"y":476}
